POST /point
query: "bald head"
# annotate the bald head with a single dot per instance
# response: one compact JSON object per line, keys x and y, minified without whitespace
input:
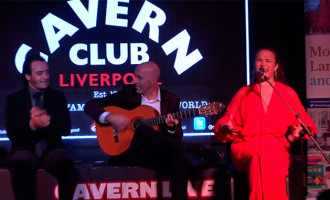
{"x":146,"y":78}
{"x":151,"y":69}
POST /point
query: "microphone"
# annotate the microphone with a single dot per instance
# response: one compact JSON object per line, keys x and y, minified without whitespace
{"x":261,"y":71}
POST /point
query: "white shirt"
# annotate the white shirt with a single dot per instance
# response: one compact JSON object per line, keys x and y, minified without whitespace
{"x":154,"y":103}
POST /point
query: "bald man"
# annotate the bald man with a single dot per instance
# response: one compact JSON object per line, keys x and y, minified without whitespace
{"x":163,"y":150}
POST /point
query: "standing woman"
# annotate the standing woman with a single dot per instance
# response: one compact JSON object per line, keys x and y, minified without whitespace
{"x":262,"y":127}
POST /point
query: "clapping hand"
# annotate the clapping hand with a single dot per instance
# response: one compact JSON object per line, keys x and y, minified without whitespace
{"x":38,"y":118}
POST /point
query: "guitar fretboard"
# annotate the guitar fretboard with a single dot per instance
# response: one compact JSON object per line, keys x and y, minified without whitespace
{"x":155,"y":121}
{"x":210,"y":109}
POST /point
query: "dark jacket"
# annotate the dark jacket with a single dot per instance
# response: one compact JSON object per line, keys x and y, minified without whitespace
{"x":17,"y":117}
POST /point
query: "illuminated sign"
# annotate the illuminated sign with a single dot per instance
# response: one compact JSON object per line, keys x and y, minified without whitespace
{"x":192,"y":104}
{"x":92,"y":47}
{"x":199,"y":123}
{"x":150,"y":17}
{"x":147,"y":189}
{"x":95,"y":80}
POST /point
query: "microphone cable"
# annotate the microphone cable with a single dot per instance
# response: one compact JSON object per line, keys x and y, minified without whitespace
{"x":260,"y":141}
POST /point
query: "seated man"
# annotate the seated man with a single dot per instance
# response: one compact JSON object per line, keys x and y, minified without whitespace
{"x":36,"y":118}
{"x":163,"y":150}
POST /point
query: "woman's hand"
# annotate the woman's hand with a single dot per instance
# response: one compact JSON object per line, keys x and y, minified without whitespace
{"x":225,"y":132}
{"x":294,"y":133}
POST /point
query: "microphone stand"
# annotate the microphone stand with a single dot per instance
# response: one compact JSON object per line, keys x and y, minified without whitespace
{"x":305,"y":129}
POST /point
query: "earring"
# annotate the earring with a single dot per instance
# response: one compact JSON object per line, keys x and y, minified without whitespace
{"x":275,"y":74}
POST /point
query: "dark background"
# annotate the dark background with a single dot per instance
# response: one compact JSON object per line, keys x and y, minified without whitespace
{"x":217,"y":29}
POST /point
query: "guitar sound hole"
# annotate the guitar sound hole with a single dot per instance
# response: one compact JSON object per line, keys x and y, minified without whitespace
{"x":137,"y":123}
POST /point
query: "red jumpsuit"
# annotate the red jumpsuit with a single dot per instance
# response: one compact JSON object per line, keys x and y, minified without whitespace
{"x":261,"y":148}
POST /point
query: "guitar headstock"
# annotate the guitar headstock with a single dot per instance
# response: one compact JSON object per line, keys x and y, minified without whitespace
{"x":211,"y":109}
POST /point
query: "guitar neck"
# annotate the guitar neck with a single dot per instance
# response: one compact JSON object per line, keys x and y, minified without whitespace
{"x":155,"y":121}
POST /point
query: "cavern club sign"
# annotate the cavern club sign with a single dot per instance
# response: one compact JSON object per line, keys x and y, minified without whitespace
{"x":149,"y":20}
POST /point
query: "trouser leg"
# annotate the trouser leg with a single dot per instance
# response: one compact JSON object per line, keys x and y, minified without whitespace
{"x":23,"y":167}
{"x":163,"y":152}
{"x":60,"y":164}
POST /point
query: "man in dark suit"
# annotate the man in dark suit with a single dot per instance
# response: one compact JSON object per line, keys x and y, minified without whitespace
{"x":159,"y":151}
{"x":36,"y":118}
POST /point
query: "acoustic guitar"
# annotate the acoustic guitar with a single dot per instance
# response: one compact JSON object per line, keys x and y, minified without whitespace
{"x":115,"y":143}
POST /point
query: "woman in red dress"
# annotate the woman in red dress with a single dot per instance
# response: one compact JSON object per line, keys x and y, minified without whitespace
{"x":257,"y":121}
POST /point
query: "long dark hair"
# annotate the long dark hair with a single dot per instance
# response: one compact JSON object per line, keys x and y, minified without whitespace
{"x":280,"y":75}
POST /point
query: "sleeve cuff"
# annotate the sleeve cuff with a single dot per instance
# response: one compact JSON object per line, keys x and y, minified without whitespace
{"x":102,"y":117}
{"x":171,"y":132}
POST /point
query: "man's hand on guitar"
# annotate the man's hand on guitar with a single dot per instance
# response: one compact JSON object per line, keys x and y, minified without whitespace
{"x":171,"y":121}
{"x":117,"y":121}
